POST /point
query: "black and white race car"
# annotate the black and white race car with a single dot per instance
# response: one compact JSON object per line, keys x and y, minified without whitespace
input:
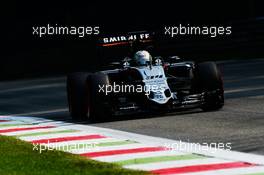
{"x":144,"y":83}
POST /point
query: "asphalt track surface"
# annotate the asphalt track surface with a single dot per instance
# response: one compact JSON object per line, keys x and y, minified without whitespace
{"x":240,"y":122}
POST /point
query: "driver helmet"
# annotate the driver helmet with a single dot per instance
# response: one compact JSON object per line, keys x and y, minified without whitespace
{"x":143,"y":58}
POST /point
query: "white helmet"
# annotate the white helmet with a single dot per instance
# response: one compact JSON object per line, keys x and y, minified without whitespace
{"x":143,"y":57}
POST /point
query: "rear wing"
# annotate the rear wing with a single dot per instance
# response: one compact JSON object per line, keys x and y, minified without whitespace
{"x":126,"y":39}
{"x":117,"y":47}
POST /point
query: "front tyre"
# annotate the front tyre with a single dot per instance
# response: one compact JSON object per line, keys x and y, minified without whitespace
{"x":85,"y":99}
{"x":100,"y":105}
{"x":210,"y":82}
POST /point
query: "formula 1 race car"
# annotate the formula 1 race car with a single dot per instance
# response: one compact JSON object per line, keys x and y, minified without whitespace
{"x":144,"y":83}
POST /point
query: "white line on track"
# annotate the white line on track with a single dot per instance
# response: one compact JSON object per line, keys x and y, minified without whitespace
{"x":33,"y":87}
{"x":244,"y":89}
{"x":41,"y":112}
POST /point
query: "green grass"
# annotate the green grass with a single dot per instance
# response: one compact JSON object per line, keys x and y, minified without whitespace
{"x":18,"y":158}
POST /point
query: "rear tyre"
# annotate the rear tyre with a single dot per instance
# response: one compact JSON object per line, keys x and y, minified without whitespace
{"x":209,"y":80}
{"x":78,"y":96}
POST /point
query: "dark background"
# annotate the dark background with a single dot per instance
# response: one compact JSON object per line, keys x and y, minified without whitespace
{"x":27,"y":55}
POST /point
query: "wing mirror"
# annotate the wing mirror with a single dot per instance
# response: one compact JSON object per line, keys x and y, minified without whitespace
{"x":126,"y":62}
{"x":158,"y":61}
{"x":174,"y":59}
